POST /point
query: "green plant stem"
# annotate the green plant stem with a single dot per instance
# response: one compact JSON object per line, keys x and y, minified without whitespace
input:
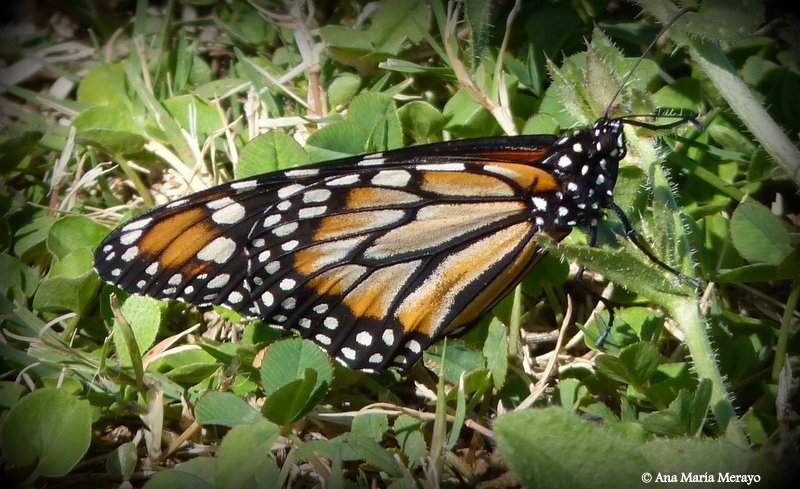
{"x":687,"y":314}
{"x":783,"y":335}
{"x":137,"y":182}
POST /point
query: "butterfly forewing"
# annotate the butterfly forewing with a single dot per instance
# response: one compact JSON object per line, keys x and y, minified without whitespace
{"x":371,"y":257}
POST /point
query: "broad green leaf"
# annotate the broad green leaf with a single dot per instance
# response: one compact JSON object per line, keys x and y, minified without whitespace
{"x":72,"y":232}
{"x":555,"y":448}
{"x":244,"y":456}
{"x":407,"y":431}
{"x":287,"y":361}
{"x":373,"y":425}
{"x":144,"y":316}
{"x":49,"y":428}
{"x":71,"y":284}
{"x":104,"y":85}
{"x":122,"y":461}
{"x":110,"y":129}
{"x":291,"y":401}
{"x":758,"y":235}
{"x":270,"y":152}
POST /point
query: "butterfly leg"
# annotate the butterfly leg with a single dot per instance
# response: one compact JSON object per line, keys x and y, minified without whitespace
{"x":633,"y":236}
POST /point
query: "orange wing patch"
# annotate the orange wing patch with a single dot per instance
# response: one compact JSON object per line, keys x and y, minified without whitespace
{"x":371,"y":198}
{"x":349,"y":224}
{"x":177,"y":239}
{"x":526,"y":176}
{"x":465,"y":184}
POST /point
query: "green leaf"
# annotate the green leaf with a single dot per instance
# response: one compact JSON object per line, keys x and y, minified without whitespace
{"x":122,"y":461}
{"x":17,"y":276}
{"x":104,"y":85}
{"x":700,"y":405}
{"x":244,"y":459}
{"x":377,"y":114}
{"x":634,"y":365}
{"x":466,"y":117}
{"x":455,"y":357}
{"x":31,"y":238}
{"x":554,"y":448}
{"x":225,"y":409}
{"x":342,"y":89}
{"x":287,"y":361}
{"x":72,"y":232}
{"x":50,"y":428}
{"x":110,"y":129}
{"x":71,"y":284}
{"x":495,"y":350}
{"x":687,"y":456}
{"x":371,"y":452}
{"x":717,"y":20}
{"x":144,"y":316}
{"x":758,"y":235}
{"x":16,"y":146}
{"x":397,"y":21}
{"x":634,"y":274}
{"x":270,"y":152}
{"x":671,"y":421}
{"x":373,"y":425}
{"x":407,"y":431}
{"x":422,"y":121}
{"x":337,"y":140}
{"x":187,"y":367}
{"x":183,"y":476}
{"x":196,"y":116}
{"x":291,"y":401}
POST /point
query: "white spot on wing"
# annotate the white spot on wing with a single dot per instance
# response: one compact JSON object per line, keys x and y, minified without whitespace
{"x":130,"y":238}
{"x":301,"y":172}
{"x":130,"y":254}
{"x":391,"y":178}
{"x":364,"y":338}
{"x":308,"y":212}
{"x":329,"y":322}
{"x":345,"y":180}
{"x":290,"y":190}
{"x":442,"y":167}
{"x":230,"y":214}
{"x":138,"y":224}
{"x":220,"y":250}
{"x":316,"y":195}
{"x":244,"y":184}
{"x":285,"y":229}
{"x":219,"y":281}
{"x":348,"y":353}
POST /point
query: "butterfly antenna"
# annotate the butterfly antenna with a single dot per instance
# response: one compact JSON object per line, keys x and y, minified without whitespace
{"x":649,"y":48}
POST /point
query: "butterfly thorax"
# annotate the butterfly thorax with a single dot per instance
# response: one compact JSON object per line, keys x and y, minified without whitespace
{"x":585,"y":162}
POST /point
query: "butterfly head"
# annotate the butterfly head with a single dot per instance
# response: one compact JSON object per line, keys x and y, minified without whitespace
{"x":586,"y":163}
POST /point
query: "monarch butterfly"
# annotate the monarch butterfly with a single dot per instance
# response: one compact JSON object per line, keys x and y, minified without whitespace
{"x":375,"y":257}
